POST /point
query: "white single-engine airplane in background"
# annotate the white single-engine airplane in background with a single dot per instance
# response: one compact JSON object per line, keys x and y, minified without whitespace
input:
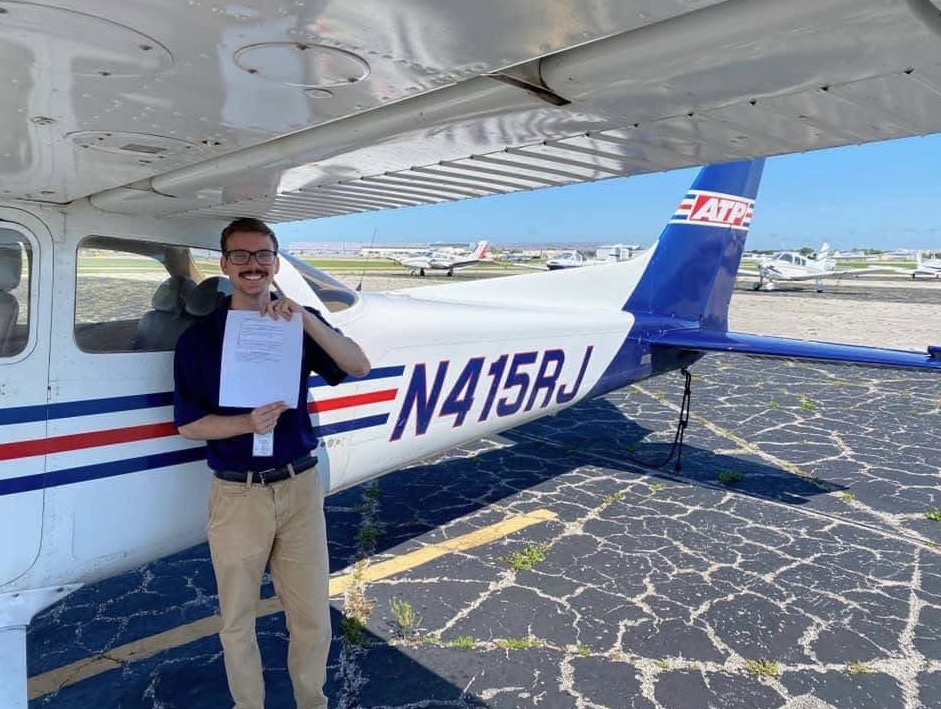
{"x":792,"y":266}
{"x":134,"y":130}
{"x":927,"y":263}
{"x":442,"y":260}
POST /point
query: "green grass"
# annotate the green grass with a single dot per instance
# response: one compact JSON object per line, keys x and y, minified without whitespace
{"x":353,"y":630}
{"x":857,"y":668}
{"x":763,"y":668}
{"x":730,"y":477}
{"x":933,"y":515}
{"x":519,"y":643}
{"x":461,"y":642}
{"x":405,"y":619}
{"x":531,"y":555}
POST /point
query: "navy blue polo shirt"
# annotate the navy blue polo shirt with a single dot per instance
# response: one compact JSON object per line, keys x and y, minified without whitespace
{"x":196,"y":367}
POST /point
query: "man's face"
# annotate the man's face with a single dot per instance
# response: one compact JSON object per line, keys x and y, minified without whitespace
{"x":251,"y":278}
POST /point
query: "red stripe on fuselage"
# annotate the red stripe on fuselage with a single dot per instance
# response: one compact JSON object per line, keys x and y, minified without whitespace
{"x":78,"y":441}
{"x":343,"y":402}
{"x":93,"y":439}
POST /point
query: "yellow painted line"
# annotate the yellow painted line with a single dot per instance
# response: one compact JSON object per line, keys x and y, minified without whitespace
{"x":56,"y":679}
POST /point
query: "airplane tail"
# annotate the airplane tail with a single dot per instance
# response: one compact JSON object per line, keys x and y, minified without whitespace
{"x":688,"y":273}
{"x":480,"y":250}
{"x":691,"y":271}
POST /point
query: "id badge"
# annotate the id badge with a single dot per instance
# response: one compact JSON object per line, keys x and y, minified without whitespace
{"x":263,"y":445}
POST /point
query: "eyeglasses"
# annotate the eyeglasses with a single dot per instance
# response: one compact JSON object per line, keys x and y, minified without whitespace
{"x":240,"y":257}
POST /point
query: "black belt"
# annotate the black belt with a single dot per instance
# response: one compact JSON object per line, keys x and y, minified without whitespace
{"x":271,"y":475}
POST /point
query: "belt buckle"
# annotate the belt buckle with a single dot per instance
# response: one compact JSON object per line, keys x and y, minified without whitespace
{"x":262,"y":479}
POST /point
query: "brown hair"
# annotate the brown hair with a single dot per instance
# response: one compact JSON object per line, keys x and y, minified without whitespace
{"x":247,"y":224}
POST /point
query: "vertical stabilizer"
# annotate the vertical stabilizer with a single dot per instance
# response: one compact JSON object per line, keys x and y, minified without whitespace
{"x":691,"y":273}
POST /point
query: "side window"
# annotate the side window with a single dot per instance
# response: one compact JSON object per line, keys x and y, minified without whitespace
{"x":332,"y":293}
{"x":132,"y":295}
{"x":16,"y":258}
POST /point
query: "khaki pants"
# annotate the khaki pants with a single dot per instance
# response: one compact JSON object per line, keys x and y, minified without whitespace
{"x":281,"y":525}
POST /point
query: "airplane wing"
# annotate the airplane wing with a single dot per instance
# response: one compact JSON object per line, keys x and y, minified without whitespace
{"x":781,"y":347}
{"x":844,"y":273}
{"x":299,"y":110}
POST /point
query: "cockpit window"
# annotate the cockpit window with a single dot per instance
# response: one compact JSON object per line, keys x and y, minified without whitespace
{"x":333,"y":294}
{"x":137,"y":295}
{"x":130,"y":294}
{"x":16,"y":257}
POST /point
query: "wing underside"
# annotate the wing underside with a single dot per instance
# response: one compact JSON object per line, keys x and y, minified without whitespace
{"x":844,"y":273}
{"x":302,"y":110}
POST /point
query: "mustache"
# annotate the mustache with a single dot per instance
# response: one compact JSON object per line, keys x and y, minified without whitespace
{"x":253,"y":272}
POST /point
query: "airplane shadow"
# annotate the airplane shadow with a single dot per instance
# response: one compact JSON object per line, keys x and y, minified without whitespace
{"x":411,"y":503}
{"x":425,"y":497}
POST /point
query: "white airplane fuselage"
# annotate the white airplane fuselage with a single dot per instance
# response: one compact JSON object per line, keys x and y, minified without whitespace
{"x":94,"y":479}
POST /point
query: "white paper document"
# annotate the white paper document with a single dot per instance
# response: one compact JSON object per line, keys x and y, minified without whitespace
{"x":261,"y":359}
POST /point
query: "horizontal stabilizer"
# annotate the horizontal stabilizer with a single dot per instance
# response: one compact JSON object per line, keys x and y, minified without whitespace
{"x":762,"y":346}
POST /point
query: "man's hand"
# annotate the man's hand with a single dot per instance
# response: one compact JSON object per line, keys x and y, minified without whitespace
{"x":281,"y":308}
{"x":265,"y":417}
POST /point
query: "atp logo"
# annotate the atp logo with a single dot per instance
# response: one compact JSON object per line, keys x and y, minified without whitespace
{"x":714,"y":209}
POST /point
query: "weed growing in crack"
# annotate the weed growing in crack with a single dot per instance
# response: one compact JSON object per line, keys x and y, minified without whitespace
{"x":519,"y":643}
{"x":531,"y":555}
{"x":857,"y":668}
{"x":763,"y":668}
{"x":353,"y":631}
{"x":730,"y":477}
{"x":461,"y":642}
{"x":406,"y":620}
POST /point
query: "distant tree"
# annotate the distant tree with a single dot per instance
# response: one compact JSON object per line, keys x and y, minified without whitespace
{"x":806,"y":251}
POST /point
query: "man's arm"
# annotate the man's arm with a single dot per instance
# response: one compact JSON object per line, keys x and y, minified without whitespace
{"x":212,"y":427}
{"x":345,"y":352}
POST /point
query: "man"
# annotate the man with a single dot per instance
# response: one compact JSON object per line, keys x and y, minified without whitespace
{"x":263,"y":509}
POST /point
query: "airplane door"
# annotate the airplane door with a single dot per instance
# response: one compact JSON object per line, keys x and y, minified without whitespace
{"x":25,"y":308}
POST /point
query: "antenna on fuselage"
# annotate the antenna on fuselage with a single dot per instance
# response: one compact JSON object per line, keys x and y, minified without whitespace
{"x":359,"y":286}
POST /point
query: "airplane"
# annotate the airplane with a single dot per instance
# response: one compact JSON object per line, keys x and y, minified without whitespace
{"x":487,"y":358}
{"x":569,"y":259}
{"x":441,"y":260}
{"x":791,"y":266}
{"x":134,"y":130}
{"x":574,"y":259}
{"x":930,"y":266}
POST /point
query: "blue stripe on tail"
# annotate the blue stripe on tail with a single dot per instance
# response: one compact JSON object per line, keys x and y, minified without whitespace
{"x":692,"y":271}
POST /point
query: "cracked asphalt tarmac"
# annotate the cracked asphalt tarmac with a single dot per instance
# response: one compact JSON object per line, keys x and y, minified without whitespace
{"x":791,"y":563}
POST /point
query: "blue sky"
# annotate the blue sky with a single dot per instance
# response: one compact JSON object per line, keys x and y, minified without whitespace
{"x":881,"y":195}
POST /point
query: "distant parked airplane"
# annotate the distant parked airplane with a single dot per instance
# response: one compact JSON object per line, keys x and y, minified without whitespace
{"x":568,"y":259}
{"x":927,"y":263}
{"x":441,"y":261}
{"x":574,"y":259}
{"x":793,"y":266}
